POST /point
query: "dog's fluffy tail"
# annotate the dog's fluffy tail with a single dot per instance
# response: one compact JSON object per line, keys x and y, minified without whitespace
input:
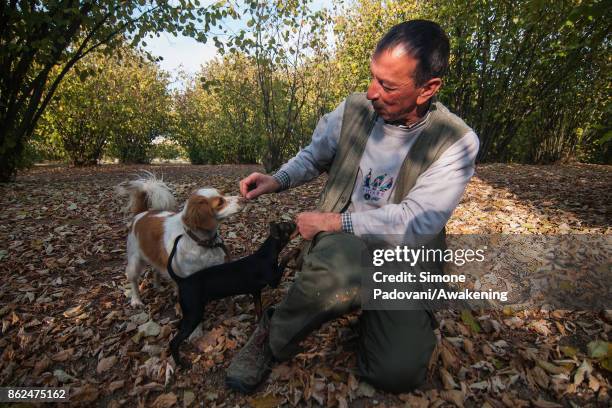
{"x":147,"y":192}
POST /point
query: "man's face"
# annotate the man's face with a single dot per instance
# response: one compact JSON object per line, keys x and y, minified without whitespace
{"x":392,"y":89}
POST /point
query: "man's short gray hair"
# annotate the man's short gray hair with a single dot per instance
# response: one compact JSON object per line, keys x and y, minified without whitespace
{"x":423,"y":40}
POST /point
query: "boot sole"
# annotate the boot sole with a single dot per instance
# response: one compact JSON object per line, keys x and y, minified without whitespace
{"x":238,"y":385}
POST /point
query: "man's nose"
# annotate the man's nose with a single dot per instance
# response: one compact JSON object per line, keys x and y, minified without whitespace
{"x":372,"y":93}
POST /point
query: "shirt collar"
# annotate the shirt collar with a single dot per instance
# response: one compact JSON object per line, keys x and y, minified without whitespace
{"x":418,"y":123}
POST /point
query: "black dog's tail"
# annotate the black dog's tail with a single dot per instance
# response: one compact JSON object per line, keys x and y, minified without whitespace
{"x":171,"y":272}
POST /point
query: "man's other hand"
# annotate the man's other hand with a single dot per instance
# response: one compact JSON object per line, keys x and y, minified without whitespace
{"x":311,"y":223}
{"x":257,"y":184}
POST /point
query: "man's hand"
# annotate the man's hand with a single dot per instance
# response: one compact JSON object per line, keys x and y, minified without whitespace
{"x":311,"y":223}
{"x":257,"y":184}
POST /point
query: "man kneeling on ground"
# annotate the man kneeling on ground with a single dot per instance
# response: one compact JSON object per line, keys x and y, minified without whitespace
{"x":397,"y":163}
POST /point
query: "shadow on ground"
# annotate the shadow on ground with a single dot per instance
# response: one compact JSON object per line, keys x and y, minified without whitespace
{"x":579,"y":191}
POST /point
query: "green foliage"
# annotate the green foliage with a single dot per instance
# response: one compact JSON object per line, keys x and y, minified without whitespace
{"x":524,"y":75}
{"x":217,"y":118}
{"x":41,"y":41}
{"x":358,"y":28}
{"x":532,"y":78}
{"x":595,"y":142}
{"x":286,"y":42}
{"x":140,"y":109}
{"x":45,"y":144}
{"x":167,"y":150}
{"x":80,"y":114}
{"x":189,"y":124}
{"x":222,"y":117}
{"x":120,"y":106}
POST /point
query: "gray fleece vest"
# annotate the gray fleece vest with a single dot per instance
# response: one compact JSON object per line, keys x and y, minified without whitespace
{"x":442,"y":130}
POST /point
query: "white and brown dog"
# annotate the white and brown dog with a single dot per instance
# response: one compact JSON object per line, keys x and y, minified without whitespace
{"x":155,"y":226}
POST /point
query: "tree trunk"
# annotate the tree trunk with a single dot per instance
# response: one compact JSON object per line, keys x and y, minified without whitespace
{"x":272,"y":158}
{"x":11,"y":149}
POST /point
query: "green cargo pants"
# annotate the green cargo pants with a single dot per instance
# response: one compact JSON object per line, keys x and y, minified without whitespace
{"x":394,"y":345}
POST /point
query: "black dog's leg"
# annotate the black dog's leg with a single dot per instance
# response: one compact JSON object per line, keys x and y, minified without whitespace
{"x":186,"y":327}
{"x":257,"y":300}
{"x":278,"y":275}
{"x":294,"y":253}
{"x":280,"y":269}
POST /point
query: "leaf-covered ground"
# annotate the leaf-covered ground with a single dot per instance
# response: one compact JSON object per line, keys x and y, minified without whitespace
{"x":66,"y":319}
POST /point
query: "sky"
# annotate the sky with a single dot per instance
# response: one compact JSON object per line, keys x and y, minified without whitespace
{"x":183,"y":53}
{"x":180,"y":54}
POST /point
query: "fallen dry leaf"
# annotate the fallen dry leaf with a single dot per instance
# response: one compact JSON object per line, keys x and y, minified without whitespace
{"x":63,"y":355}
{"x":64,"y":303}
{"x":454,"y":396}
{"x":541,"y":403}
{"x":266,"y":401}
{"x":105,"y":364}
{"x":86,"y":394}
{"x":414,"y":401}
{"x":447,"y":380}
{"x":165,"y":401}
{"x":115,"y":385}
{"x":188,"y":398}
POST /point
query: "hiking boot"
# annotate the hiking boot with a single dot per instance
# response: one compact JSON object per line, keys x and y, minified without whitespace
{"x":253,"y":362}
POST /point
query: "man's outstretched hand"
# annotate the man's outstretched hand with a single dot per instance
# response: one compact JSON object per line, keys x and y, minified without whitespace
{"x":311,"y":223}
{"x":308,"y":223}
{"x":257,"y":184}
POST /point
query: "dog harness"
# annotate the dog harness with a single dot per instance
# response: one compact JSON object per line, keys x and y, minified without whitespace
{"x":219,"y":244}
{"x":171,"y":257}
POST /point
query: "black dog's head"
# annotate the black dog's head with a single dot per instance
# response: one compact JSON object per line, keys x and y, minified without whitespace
{"x":282,"y":231}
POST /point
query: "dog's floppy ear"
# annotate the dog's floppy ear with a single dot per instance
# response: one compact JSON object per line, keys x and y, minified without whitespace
{"x":199,"y":214}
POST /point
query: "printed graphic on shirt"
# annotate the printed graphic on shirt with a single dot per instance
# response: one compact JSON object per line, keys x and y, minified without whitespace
{"x":375,"y":189}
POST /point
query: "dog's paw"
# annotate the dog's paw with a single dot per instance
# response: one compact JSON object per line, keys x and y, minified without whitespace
{"x":182,"y":363}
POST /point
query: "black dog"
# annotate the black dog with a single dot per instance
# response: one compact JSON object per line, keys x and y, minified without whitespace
{"x":248,"y":275}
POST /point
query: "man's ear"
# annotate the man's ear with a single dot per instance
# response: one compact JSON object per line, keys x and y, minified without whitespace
{"x":428,"y":90}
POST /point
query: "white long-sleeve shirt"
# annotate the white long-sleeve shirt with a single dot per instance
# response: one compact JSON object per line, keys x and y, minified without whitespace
{"x":427,"y":206}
